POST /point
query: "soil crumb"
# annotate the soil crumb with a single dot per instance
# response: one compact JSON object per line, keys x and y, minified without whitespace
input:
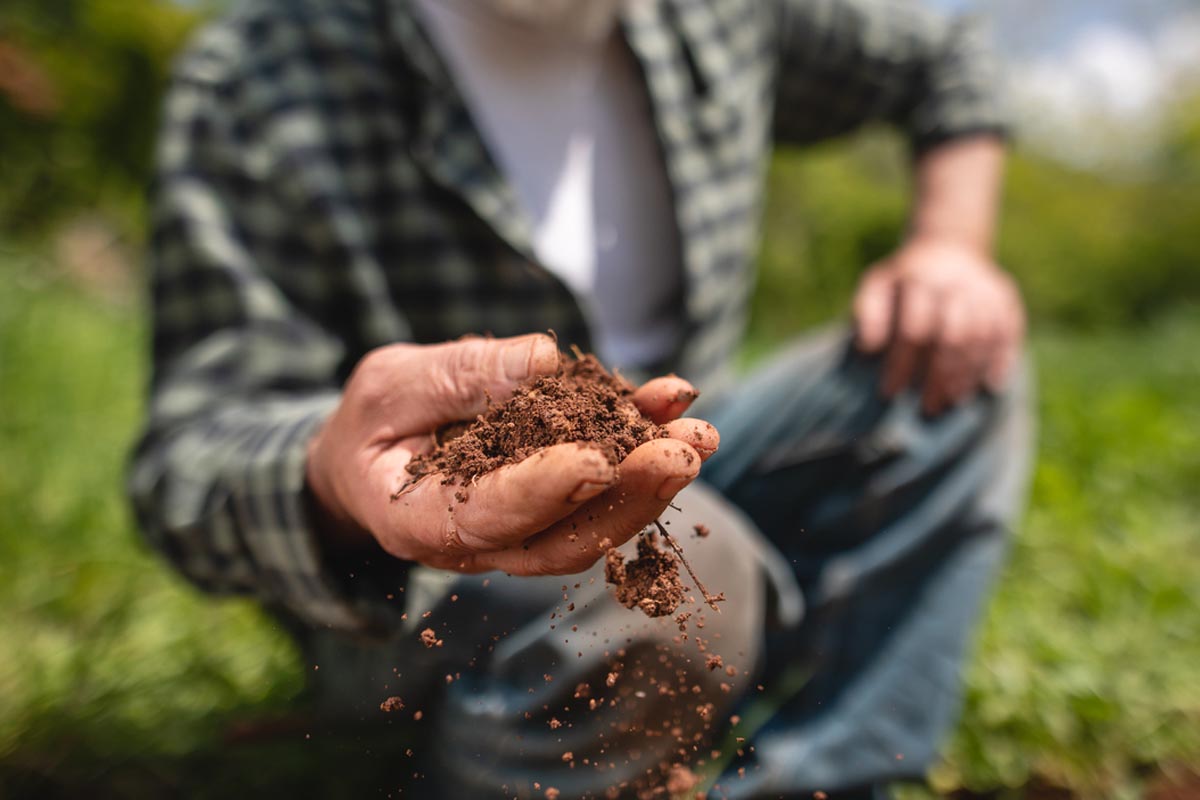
{"x":429,"y":638}
{"x":649,"y":582}
{"x":701,"y":530}
{"x":583,"y":402}
{"x":391,"y":704}
{"x":681,"y":780}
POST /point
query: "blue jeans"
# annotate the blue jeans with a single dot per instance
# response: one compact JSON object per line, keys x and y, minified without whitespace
{"x":893,"y":524}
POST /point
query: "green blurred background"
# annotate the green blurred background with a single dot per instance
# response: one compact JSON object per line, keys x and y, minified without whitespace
{"x":118,"y":679}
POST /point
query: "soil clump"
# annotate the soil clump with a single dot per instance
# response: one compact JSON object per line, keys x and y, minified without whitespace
{"x":649,"y":582}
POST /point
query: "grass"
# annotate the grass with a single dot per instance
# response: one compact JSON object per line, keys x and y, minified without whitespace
{"x":104,"y":652}
{"x":1084,"y":676}
{"x":1087,"y":668}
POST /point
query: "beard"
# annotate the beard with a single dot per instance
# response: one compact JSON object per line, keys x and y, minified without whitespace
{"x":585,"y":20}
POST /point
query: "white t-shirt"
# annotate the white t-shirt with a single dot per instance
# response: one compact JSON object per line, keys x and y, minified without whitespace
{"x":567,"y":117}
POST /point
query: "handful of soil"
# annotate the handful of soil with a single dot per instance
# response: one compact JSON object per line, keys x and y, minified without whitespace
{"x":582,"y":402}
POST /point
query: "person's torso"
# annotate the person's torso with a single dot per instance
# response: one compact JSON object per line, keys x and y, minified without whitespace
{"x":389,"y":219}
{"x":566,"y":116}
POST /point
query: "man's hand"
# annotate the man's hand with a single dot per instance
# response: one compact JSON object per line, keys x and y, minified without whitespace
{"x":946,"y":315}
{"x":544,"y":515}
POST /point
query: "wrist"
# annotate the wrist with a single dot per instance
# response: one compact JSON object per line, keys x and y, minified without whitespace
{"x":947,"y":240}
{"x":330,"y":520}
{"x":957,"y":193}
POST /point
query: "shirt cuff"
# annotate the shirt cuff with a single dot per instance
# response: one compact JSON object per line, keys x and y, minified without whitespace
{"x":269,"y":505}
{"x":964,"y":93}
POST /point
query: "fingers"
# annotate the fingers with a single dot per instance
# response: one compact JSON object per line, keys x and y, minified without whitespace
{"x":977,"y":345}
{"x":944,"y":310}
{"x":421,"y":387}
{"x":957,"y":359}
{"x":505,"y":507}
{"x":702,"y":437}
{"x":873,"y":307}
{"x":1001,"y":365}
{"x":916,"y":325}
{"x":1012,"y":335}
{"x":664,"y":399}
{"x":650,"y":477}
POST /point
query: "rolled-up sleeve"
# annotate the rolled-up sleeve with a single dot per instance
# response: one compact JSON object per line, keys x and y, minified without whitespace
{"x":243,"y":375}
{"x":844,"y":63}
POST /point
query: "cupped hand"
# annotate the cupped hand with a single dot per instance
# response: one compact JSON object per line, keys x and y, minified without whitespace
{"x":545,"y":515}
{"x":947,"y":317}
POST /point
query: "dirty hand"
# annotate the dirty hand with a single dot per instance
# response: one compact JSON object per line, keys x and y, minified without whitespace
{"x":946,"y":316}
{"x":519,"y":518}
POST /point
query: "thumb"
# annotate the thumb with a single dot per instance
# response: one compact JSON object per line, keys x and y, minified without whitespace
{"x":454,"y":381}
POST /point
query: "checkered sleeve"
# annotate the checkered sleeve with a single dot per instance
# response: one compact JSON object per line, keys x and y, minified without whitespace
{"x":243,"y":376}
{"x":843,"y":63}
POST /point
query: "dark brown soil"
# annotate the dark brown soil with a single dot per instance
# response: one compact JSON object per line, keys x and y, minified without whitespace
{"x":391,"y":704}
{"x":582,"y":403}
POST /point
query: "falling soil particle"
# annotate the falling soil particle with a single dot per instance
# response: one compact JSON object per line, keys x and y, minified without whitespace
{"x":551,"y":793}
{"x":713,"y":662}
{"x":681,"y":780}
{"x":701,"y":530}
{"x":391,"y":704}
{"x":583,"y":402}
{"x":554,"y":724}
{"x":649,"y":582}
{"x":429,"y":638}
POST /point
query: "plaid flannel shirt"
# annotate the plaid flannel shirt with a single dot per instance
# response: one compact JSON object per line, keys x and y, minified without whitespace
{"x":322,"y":191}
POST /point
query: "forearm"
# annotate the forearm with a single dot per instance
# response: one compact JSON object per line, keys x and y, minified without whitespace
{"x":957,"y":192}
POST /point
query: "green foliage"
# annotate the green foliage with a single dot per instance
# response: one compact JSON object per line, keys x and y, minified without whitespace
{"x":103,"y":651}
{"x":1086,"y":670}
{"x":1093,"y":251}
{"x":107,"y":61}
{"x":830,"y":213}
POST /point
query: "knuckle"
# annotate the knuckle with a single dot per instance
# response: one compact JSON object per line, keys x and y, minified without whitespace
{"x":955,"y":339}
{"x":375,"y":377}
{"x":459,"y":536}
{"x":368,"y":383}
{"x":455,"y":379}
{"x":914,"y":328}
{"x":534,"y":563}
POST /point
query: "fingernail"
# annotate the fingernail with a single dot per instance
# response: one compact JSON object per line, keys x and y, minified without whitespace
{"x":525,"y":359}
{"x":671,"y":486}
{"x":586,"y":490}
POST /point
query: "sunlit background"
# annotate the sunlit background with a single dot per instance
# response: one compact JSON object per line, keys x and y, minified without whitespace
{"x":118,"y":680}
